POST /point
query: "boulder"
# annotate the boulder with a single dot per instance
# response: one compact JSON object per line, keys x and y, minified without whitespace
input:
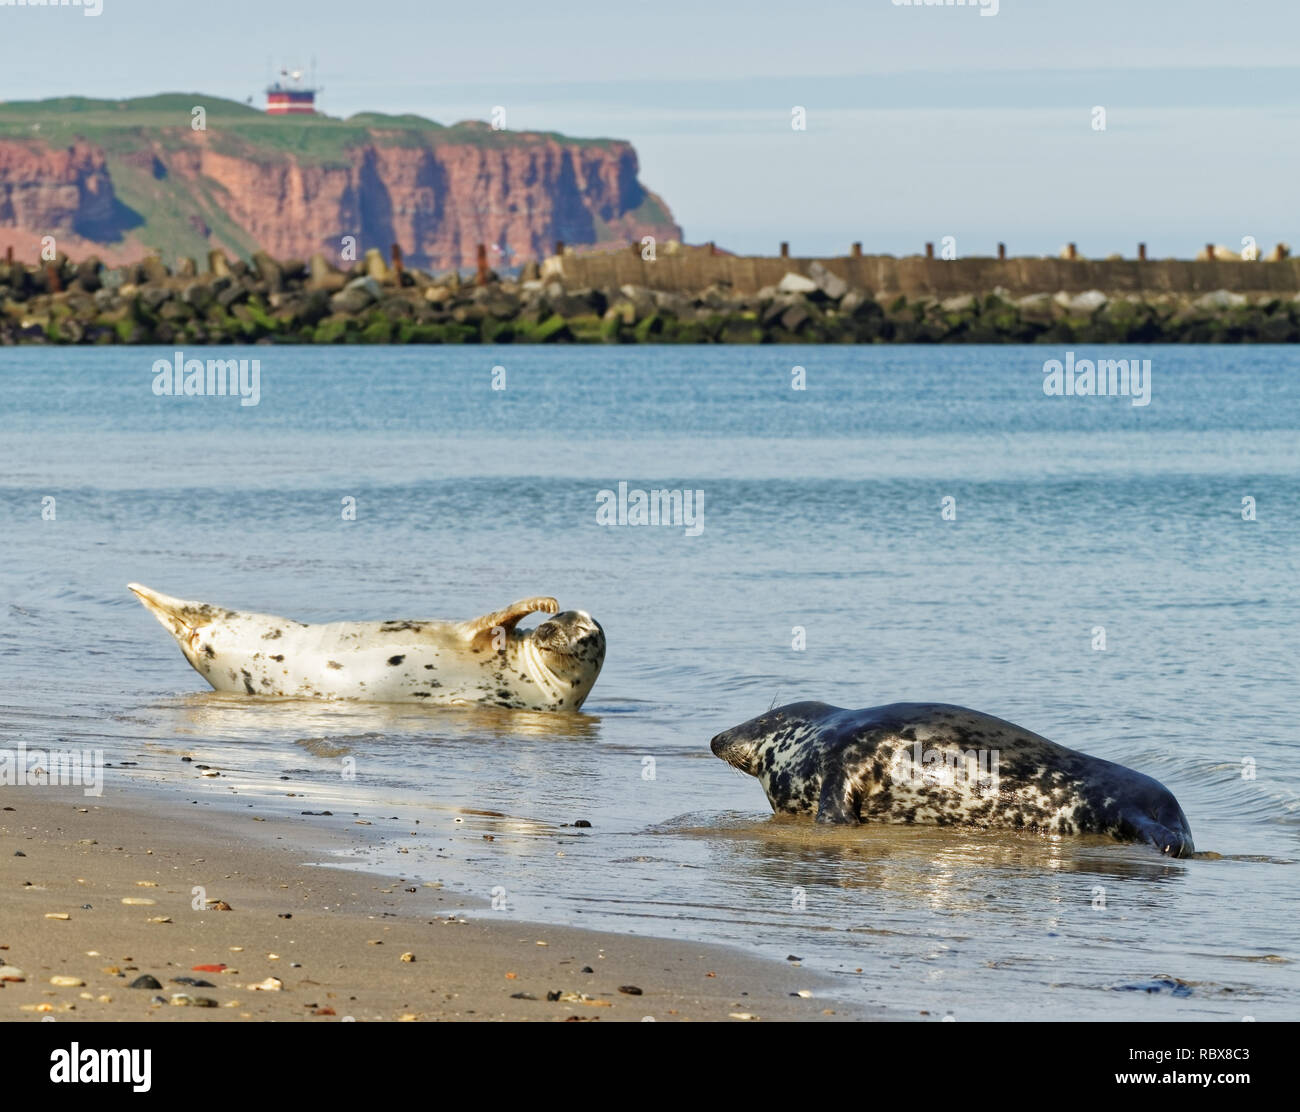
{"x":153,"y":270}
{"x":1037,"y":308}
{"x":675,"y":303}
{"x":569,"y":306}
{"x":351,"y":300}
{"x":502,"y":306}
{"x":198,"y":294}
{"x":376,"y":268}
{"x":779,"y":305}
{"x":322,"y":275}
{"x":1081,"y":304}
{"x":232,"y":295}
{"x":830,"y":284}
{"x":794,"y":318}
{"x":1220,"y":299}
{"x":87,"y":274}
{"x":622,"y":311}
{"x":268,"y":271}
{"x":368,"y":285}
{"x":796,"y":283}
{"x":859,"y":306}
{"x":962,"y":304}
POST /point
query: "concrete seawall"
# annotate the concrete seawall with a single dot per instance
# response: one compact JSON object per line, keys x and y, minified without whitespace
{"x":921,"y":277}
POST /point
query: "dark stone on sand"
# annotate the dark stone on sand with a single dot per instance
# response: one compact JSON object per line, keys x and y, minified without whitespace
{"x":630,"y":990}
{"x":582,"y":822}
{"x":522,"y":996}
{"x":1171,"y":985}
{"x":193,"y":982}
{"x":145,"y":980}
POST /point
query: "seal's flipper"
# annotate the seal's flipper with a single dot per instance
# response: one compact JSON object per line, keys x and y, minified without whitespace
{"x":478,"y":631}
{"x":839,"y":802}
{"x":176,"y":615}
{"x":1169,"y":842}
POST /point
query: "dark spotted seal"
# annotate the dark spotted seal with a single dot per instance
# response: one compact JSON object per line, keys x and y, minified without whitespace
{"x":945,"y":765}
{"x":483,"y":660}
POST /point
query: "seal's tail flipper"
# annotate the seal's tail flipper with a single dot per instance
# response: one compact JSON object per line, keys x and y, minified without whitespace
{"x":176,"y":615}
{"x":478,"y":630}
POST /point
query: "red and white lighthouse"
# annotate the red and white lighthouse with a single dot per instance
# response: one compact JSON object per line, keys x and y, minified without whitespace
{"x":289,"y":96}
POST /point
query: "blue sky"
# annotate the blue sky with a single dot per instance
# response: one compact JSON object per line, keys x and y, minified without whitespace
{"x":923,"y":122}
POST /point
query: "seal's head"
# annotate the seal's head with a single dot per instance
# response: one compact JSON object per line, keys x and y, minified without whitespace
{"x":571,"y":646}
{"x":752,"y":745}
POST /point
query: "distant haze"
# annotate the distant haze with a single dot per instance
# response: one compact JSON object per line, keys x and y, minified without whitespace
{"x":922,"y":122}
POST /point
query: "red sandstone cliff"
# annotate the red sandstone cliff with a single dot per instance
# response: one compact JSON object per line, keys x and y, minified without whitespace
{"x":438,"y":195}
{"x":64,"y":192}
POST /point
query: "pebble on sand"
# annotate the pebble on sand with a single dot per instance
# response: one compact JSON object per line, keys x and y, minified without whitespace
{"x":138,"y":901}
{"x":12,"y":973}
{"x":145,"y":980}
{"x":271,"y":984}
{"x":57,"y":915}
{"x":67,"y":982}
{"x":184,"y":999}
{"x":408,"y":956}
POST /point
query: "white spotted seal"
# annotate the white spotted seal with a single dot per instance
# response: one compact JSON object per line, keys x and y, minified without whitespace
{"x":945,"y":765}
{"x":483,"y":660}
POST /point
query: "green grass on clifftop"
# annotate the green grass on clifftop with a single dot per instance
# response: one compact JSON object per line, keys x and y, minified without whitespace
{"x":122,"y":126}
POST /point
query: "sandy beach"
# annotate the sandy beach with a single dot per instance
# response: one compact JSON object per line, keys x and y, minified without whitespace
{"x":96,"y":896}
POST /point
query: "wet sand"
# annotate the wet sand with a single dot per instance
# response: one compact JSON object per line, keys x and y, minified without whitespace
{"x":340,"y":943}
